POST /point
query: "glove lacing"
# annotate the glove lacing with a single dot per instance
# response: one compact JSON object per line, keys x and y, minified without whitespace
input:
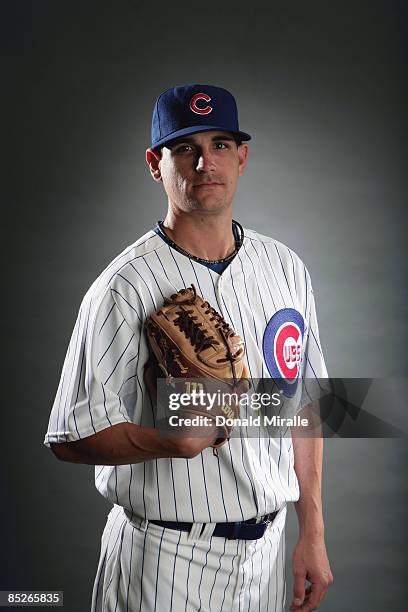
{"x":187,"y":322}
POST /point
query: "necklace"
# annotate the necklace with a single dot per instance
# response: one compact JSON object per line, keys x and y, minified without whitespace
{"x":238,"y":243}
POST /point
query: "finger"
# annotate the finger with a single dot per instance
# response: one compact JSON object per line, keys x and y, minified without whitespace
{"x":298,"y":589}
{"x":317,"y":592}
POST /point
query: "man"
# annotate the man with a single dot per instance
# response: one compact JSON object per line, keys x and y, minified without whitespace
{"x":161,"y":547}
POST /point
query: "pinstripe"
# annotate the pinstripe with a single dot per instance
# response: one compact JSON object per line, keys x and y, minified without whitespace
{"x":120,"y":569}
{"x":125,"y":417}
{"x":130,"y":488}
{"x":116,"y":484}
{"x":243,"y":579}
{"x":106,"y":318}
{"x":130,"y":361}
{"x":88,"y":383}
{"x":214,"y":291}
{"x":252,"y":312}
{"x":189,"y":490}
{"x":119,"y":360}
{"x":273,"y":272}
{"x":306,"y":291}
{"x":141,"y":573}
{"x":229,"y":576}
{"x":157,"y":572}
{"x":112,"y":576}
{"x":250,"y":583}
{"x":104,"y":405}
{"x":282,"y":581}
{"x":235,"y":480}
{"x":157,"y":487}
{"x":203,"y":567}
{"x":130,"y":571}
{"x":240,"y":316}
{"x":174,"y":570}
{"x":126,"y":381}
{"x":233,"y":324}
{"x":177,"y":266}
{"x":196,"y":277}
{"x":111,"y":342}
{"x":163,"y":268}
{"x":260,"y":579}
{"x":258,"y":287}
{"x":128,"y":303}
{"x":263,"y":273}
{"x":293,"y":269}
{"x":143,"y":489}
{"x":147,"y":286}
{"x":284,"y":274}
{"x":216,"y":573}
{"x":205,"y":487}
{"x":174,"y":490}
{"x":269,"y":472}
{"x":316,"y":341}
{"x":305,"y":388}
{"x":154,"y":277}
{"x":276,"y":577}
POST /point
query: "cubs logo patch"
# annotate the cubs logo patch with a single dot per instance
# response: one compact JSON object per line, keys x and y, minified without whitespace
{"x":200,"y":109}
{"x":282,"y":348}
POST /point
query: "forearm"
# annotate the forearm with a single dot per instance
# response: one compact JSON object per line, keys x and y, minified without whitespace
{"x":121,"y":444}
{"x":308,"y":456}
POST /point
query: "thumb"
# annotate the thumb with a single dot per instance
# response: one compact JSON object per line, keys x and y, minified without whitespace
{"x":299,"y":588}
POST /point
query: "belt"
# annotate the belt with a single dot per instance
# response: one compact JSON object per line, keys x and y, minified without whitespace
{"x":241,"y":530}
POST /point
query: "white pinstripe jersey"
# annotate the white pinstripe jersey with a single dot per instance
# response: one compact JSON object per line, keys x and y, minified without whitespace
{"x":102,"y":377}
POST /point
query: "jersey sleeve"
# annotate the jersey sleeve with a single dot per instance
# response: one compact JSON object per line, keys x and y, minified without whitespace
{"x":314,"y":371}
{"x":98,"y":372}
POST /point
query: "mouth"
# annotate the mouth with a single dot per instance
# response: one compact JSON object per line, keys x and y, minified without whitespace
{"x":208,"y":184}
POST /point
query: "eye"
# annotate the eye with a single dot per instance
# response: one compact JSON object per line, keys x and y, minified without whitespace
{"x":222,"y":145}
{"x":182,"y":149}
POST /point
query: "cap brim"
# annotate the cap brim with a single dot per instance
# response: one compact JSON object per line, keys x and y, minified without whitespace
{"x":194,"y":130}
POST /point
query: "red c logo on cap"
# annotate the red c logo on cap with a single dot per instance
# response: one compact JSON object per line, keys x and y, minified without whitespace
{"x":196,"y":109}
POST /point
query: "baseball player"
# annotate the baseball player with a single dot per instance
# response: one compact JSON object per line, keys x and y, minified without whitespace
{"x":190,"y":529}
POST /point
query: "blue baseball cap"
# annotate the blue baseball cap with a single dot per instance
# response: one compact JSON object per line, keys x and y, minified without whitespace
{"x":189,"y":109}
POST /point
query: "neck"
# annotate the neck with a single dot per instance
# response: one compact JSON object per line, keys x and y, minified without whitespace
{"x":205,"y":236}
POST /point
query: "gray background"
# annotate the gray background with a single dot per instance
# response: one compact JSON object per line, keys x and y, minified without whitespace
{"x":320,"y":87}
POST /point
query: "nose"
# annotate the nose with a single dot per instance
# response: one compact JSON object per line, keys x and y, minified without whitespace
{"x":205,"y":162}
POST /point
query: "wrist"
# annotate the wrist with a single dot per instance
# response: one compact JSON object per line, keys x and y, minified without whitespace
{"x":311,"y":528}
{"x":310,"y":521}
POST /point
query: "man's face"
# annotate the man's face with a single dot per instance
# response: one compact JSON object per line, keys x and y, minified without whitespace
{"x":200,"y":171}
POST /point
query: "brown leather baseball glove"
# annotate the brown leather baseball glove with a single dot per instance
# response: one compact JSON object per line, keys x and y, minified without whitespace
{"x":190,"y":339}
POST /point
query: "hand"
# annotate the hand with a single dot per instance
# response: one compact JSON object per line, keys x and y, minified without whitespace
{"x":182,"y":444}
{"x":310,"y":563}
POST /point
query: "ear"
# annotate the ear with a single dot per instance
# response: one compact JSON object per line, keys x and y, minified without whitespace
{"x":242,"y":158}
{"x":153,"y":159}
